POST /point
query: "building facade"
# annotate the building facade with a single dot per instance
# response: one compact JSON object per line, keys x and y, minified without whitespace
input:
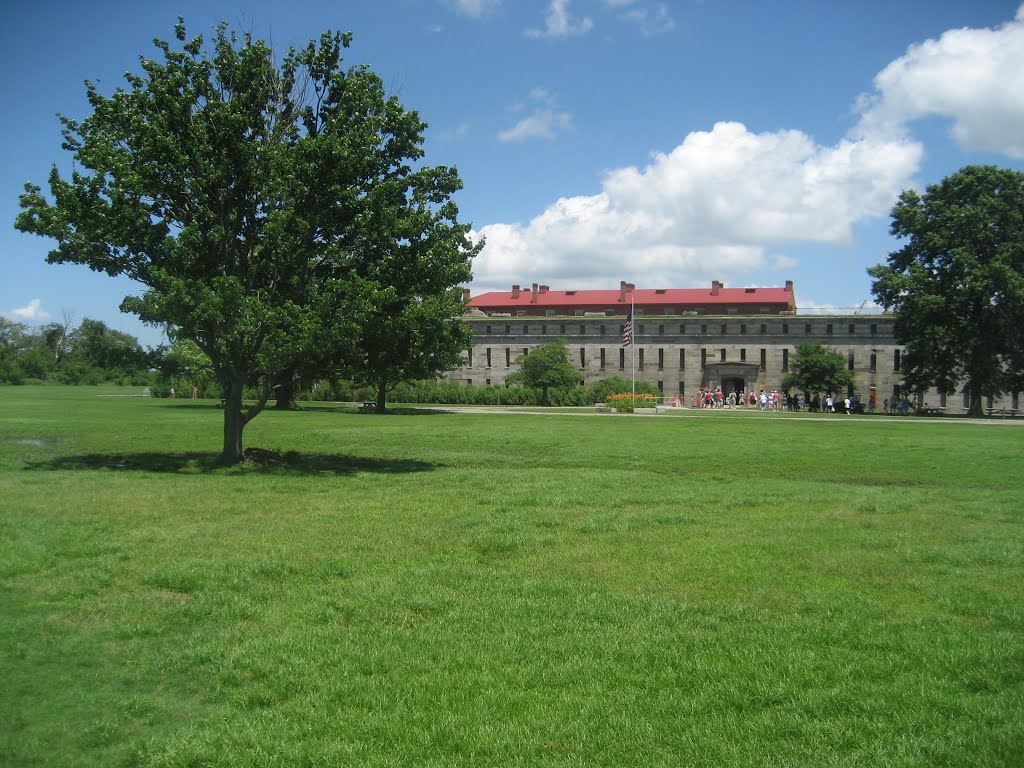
{"x":688,"y":340}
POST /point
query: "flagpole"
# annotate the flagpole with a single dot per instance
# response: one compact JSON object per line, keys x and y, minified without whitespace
{"x":633,"y":350}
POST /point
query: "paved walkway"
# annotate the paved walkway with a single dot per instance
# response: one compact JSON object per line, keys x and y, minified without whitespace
{"x":703,"y":413}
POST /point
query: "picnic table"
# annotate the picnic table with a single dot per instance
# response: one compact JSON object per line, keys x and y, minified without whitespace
{"x":368,"y":407}
{"x":933,"y":411}
{"x":1004,"y":412}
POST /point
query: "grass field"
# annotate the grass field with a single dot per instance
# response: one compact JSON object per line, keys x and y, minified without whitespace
{"x":506,"y":590}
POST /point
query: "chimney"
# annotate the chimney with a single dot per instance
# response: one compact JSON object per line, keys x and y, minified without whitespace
{"x":789,"y":286}
{"x":716,"y":287}
{"x":533,"y":299}
{"x":515,"y":291}
{"x":625,"y":288}
{"x":544,"y":289}
{"x":466,"y":296}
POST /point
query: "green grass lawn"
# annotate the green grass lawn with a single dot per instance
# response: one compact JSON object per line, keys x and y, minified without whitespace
{"x":495,"y":590}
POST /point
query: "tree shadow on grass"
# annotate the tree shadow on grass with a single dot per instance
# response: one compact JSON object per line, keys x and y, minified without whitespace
{"x":256,"y":460}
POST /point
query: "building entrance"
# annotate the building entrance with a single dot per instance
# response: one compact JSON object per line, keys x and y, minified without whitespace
{"x":732,"y":384}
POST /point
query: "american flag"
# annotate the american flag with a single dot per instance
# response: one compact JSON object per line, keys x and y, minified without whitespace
{"x":627,"y":330}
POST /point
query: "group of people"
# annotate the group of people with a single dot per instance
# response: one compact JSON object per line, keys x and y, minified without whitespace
{"x":769,"y":401}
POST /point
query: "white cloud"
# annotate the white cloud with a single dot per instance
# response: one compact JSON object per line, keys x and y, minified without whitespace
{"x":710,"y":208}
{"x":545,"y":120}
{"x":33,"y":312}
{"x":560,"y":23}
{"x":727,"y":202}
{"x":975,"y":77}
{"x":649,"y":19}
{"x":474,"y":8}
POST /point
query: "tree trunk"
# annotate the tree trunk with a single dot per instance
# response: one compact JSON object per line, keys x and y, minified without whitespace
{"x":974,"y":409}
{"x":381,"y":398}
{"x":285,"y":394}
{"x":544,"y":396}
{"x":234,"y":423}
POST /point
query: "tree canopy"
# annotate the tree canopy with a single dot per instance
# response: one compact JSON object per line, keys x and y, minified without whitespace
{"x":262,"y":205}
{"x":958,"y":283}
{"x":545,"y":367}
{"x":815,"y":368}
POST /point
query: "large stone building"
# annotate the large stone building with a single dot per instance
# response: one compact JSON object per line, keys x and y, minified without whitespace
{"x":686,"y":340}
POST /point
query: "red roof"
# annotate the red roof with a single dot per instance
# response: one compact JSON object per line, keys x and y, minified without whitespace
{"x":599,"y":300}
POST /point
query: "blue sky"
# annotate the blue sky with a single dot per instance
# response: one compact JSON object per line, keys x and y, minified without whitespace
{"x":663,"y":143}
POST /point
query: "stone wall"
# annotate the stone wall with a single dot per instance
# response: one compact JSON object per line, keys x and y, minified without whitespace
{"x":683,"y":354}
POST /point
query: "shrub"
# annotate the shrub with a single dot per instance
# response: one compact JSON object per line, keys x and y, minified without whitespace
{"x":626,"y":402}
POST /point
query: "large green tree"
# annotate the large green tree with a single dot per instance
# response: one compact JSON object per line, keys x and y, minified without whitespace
{"x":958,"y":283}
{"x":241,"y":191}
{"x":406,"y":338}
{"x":545,"y":367}
{"x":815,"y":368}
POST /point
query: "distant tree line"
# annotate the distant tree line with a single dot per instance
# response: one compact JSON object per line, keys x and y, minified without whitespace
{"x":58,"y":353}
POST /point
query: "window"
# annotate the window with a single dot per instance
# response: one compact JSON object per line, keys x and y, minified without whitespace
{"x":508,"y":357}
{"x":520,"y":313}
{"x":785,"y":359}
{"x":942,"y":400}
{"x":602,"y":330}
{"x":579,"y":313}
{"x":682,"y":359}
{"x":873,"y":364}
{"x":704,"y":329}
{"x":895,"y":361}
{"x":721,"y":354}
{"x":661,"y":359}
{"x":549,"y":313}
{"x":487,"y":382}
{"x":764,"y":359}
{"x":526,"y":351}
{"x":743,"y":355}
{"x":785,"y":328}
{"x":764,"y":328}
{"x":661,"y":330}
{"x":508,"y":329}
{"x":874,"y":328}
{"x":488,"y":357}
{"x":851,"y":329}
{"x":967,"y":399}
{"x":640,"y":328}
{"x":469,"y":357}
{"x":543,"y":330}
{"x":670,"y":310}
{"x":561,"y":329}
{"x":703,"y":358}
{"x":682,"y":329}
{"x":602,"y":358}
{"x":583,"y":330}
{"x":622,"y":358}
{"x":743,"y":328}
{"x":583,"y":358}
{"x":807,"y":329}
{"x":526,"y":330}
{"x":732,"y":311}
{"x":488,"y":329}
{"x":723,"y":329}
{"x":1014,"y":401}
{"x":828,"y":329}
{"x":989,"y":402}
{"x":640,"y":358}
{"x":849,"y":361}
{"x":661,"y":387}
